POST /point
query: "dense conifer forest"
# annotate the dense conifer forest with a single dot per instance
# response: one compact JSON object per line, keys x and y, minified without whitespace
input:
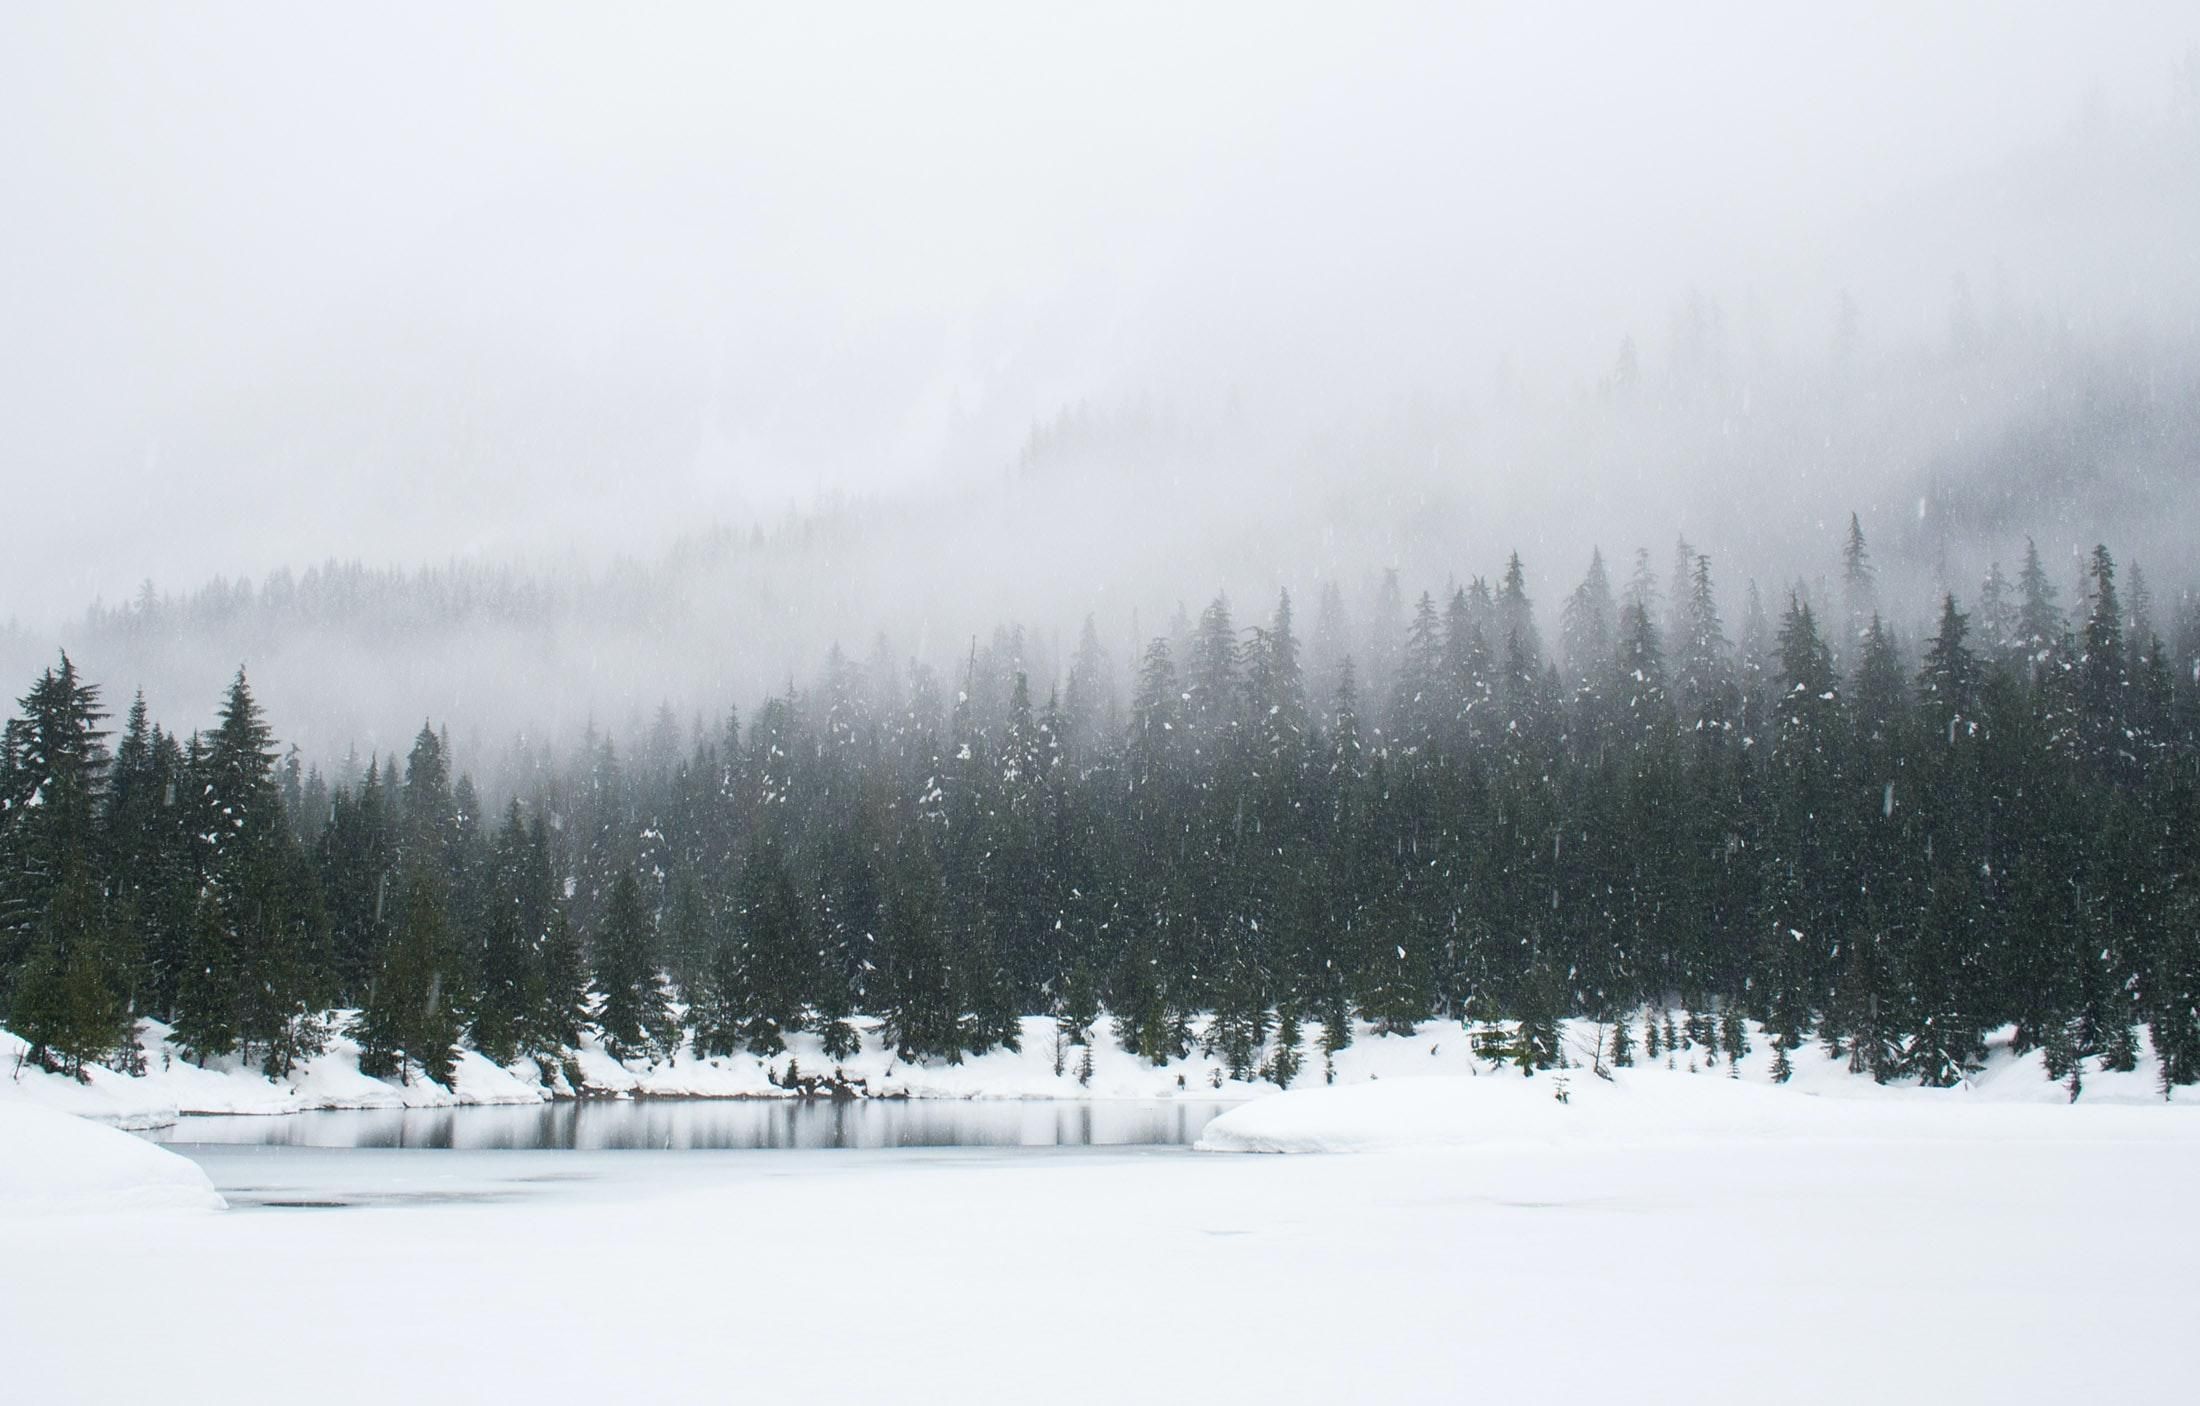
{"x":1271,"y":821}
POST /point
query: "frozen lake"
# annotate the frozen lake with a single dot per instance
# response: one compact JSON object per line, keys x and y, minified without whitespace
{"x":719,"y":1124}
{"x":1782,"y":1259}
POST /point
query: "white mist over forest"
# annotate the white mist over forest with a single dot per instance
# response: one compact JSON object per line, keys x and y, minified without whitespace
{"x":533,"y":367}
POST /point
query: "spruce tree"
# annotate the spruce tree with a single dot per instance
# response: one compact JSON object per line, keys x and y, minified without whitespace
{"x":64,"y":977}
{"x":636,"y":1015}
{"x":566,"y":1006}
{"x":2039,"y":621}
{"x":501,"y":1003}
{"x":1283,"y":1065}
{"x":407,"y":1019}
{"x":1079,"y":1006}
{"x":1623,"y":1044}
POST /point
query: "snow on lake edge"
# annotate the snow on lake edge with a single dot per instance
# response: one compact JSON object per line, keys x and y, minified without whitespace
{"x":1500,"y":1107}
{"x":173,"y":1085}
{"x":53,"y":1163}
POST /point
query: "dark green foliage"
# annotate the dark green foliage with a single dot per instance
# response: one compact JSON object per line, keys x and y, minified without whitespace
{"x":505,"y":993}
{"x":1079,"y":1006}
{"x":718,"y":1012}
{"x":1733,"y":1033}
{"x":1891,"y":840}
{"x":65,"y":970}
{"x":566,"y":1003}
{"x":67,"y":1000}
{"x":1528,"y":1046}
{"x":636,"y":1015}
{"x":1283,"y":1065}
{"x":408,"y":1020}
{"x":840,"y":1039}
{"x":1623,"y":1044}
{"x":763,"y":990}
{"x":206,"y":990}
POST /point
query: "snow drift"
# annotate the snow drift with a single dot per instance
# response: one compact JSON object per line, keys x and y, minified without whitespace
{"x":58,"y":1163}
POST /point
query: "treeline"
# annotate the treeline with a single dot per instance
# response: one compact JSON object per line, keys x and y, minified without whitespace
{"x":1890,"y":850}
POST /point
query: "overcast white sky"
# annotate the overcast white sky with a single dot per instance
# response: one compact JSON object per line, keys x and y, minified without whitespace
{"x":279,"y":282}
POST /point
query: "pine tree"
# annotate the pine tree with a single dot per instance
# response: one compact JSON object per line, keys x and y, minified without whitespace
{"x":2039,"y":622}
{"x":206,"y":993}
{"x":1090,"y":698}
{"x":2104,"y":674}
{"x":1079,"y":1006}
{"x":1999,"y":629}
{"x":718,"y":1007}
{"x":502,"y":1003}
{"x":636,"y":1015}
{"x":567,"y":1002}
{"x":1414,"y":711}
{"x":1212,"y":682}
{"x":914,"y":990}
{"x":1702,"y":683}
{"x":66,"y":1002}
{"x":408,"y":1019}
{"x":1275,"y":691}
{"x":1859,"y":580}
{"x":64,"y":978}
{"x":1733,"y":1033}
{"x":1283,"y":1065}
{"x":1948,"y":683}
{"x":266,"y":897}
{"x":1586,"y":629}
{"x":1623,"y":1044}
{"x":774,"y":966}
{"x":1516,"y":623}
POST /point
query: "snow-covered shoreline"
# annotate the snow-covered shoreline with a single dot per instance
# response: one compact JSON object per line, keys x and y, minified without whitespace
{"x":174,"y":1087}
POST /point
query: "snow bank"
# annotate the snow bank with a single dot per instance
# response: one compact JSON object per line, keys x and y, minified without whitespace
{"x":1645,"y":1106}
{"x":51,"y":1162}
{"x":101,"y":1095}
{"x":1408,"y":1113}
{"x":1503,"y":1106}
{"x":174,"y":1085}
{"x":1027,"y":1072}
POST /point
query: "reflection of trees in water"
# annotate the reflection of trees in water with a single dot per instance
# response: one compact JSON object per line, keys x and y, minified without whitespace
{"x":677,"y":1124}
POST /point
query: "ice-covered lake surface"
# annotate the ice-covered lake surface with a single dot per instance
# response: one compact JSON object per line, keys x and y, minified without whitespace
{"x":719,"y":1124}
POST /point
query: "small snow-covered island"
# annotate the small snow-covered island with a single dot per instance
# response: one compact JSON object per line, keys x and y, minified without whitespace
{"x":971,"y":703}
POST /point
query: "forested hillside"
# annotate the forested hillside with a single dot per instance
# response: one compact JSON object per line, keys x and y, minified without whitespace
{"x":1892,"y":847}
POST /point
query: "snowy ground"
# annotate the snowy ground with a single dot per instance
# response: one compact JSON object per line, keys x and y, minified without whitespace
{"x":174,"y":1085}
{"x":2020,"y":1254}
{"x":1664,"y":1235}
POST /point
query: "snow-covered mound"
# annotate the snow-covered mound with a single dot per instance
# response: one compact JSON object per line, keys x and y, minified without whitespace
{"x":52,"y":1162}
